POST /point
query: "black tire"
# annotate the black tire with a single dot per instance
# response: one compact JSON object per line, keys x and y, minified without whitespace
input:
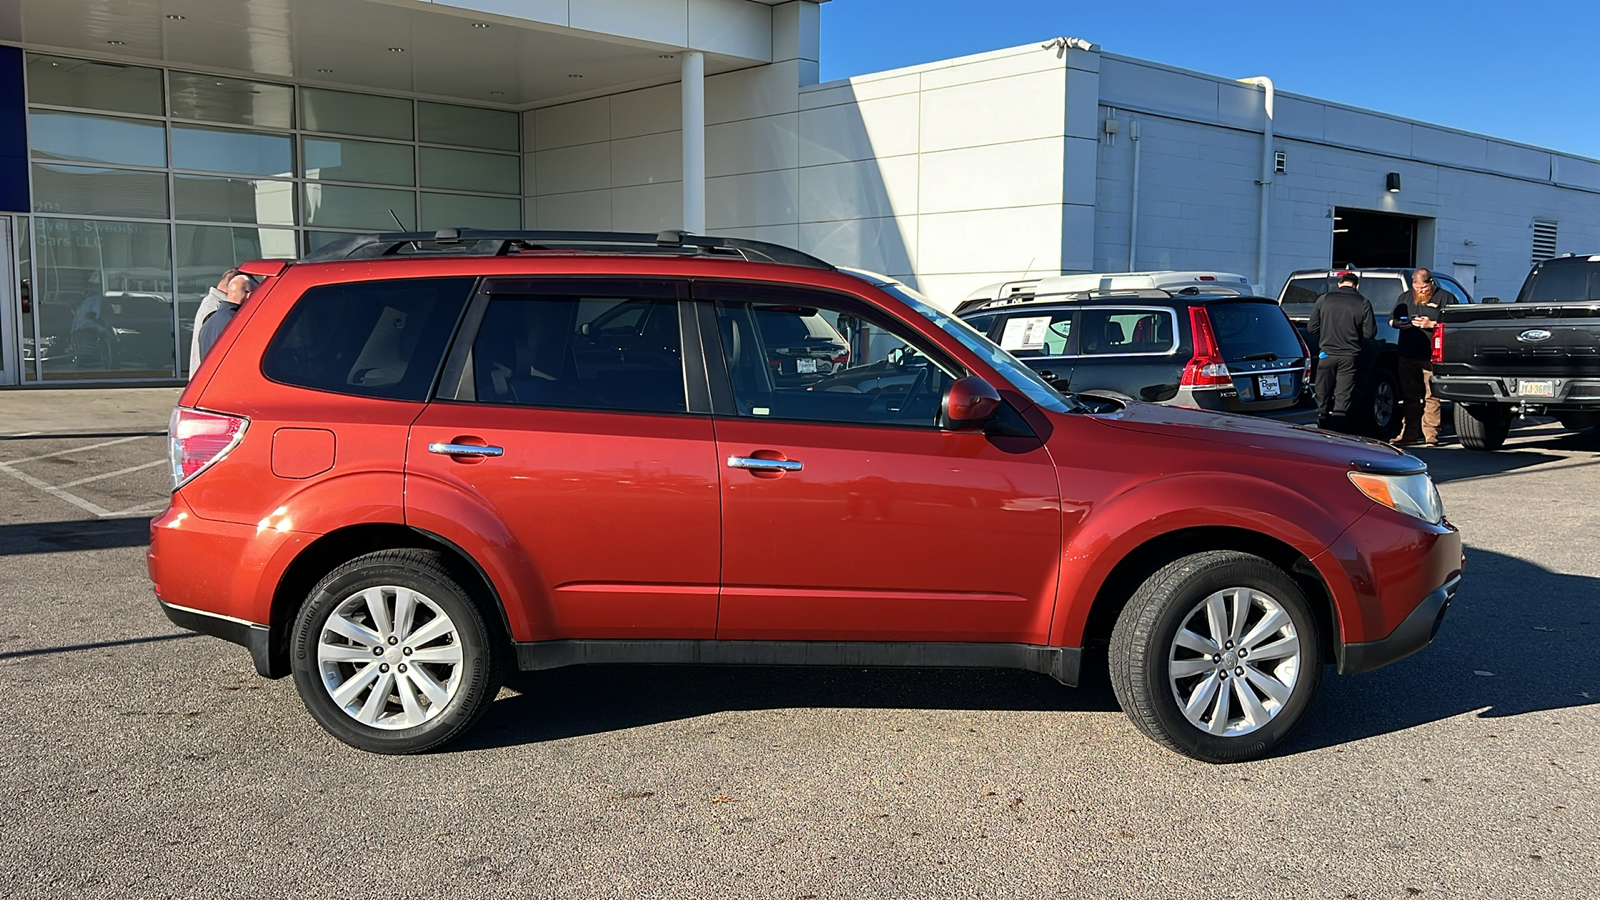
{"x":1578,"y":421}
{"x":1143,"y":647}
{"x":1482,"y":426}
{"x":1381,"y":407}
{"x":468,"y":684}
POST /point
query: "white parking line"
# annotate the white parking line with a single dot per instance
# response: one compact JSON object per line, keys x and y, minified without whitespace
{"x":148,"y":465}
{"x":56,"y":492}
{"x":13,"y":462}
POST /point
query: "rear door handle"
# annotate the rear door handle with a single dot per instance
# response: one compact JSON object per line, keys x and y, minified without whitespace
{"x":464,"y":449}
{"x":770,"y":465}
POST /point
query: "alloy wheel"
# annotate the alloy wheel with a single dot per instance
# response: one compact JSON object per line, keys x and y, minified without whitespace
{"x":1234,"y":662}
{"x":390,"y":657}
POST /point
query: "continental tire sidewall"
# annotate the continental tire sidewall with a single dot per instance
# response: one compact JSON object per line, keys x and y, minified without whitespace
{"x":1160,"y":607}
{"x":480,"y":674}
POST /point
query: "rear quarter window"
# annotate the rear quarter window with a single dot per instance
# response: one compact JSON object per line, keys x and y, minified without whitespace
{"x":382,"y":339}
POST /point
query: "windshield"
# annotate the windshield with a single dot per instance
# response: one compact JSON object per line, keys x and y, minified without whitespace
{"x":1021,"y":377}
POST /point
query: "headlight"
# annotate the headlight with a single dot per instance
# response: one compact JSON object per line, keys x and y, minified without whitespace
{"x":1414,"y":495}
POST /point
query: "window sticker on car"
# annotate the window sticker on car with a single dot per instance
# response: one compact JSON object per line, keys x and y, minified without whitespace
{"x":1025,"y":333}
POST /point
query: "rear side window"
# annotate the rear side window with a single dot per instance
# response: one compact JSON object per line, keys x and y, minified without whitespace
{"x":567,"y":352}
{"x":1249,"y":331}
{"x":370,"y":339}
{"x":1118,"y":332}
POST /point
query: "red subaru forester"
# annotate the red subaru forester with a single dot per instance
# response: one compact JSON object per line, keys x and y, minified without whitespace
{"x":412,"y":460}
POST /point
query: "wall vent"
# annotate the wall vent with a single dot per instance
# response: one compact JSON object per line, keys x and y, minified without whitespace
{"x":1544,"y":240}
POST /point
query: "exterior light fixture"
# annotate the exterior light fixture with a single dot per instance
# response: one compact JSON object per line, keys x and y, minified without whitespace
{"x":1392,"y":182}
{"x":574,"y":76}
{"x":326,"y":71}
{"x":177,"y":18}
{"x":115,"y":43}
{"x":397,"y":49}
{"x":480,"y":24}
{"x":667,"y":56}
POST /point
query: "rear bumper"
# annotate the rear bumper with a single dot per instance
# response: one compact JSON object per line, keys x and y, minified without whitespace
{"x":1303,"y":411}
{"x":257,"y":638}
{"x":1414,"y":632}
{"x":1567,"y":393}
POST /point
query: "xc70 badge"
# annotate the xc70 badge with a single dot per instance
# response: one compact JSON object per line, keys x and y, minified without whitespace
{"x":1534,"y":336}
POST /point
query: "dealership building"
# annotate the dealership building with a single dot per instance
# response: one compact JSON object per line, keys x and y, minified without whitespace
{"x":147,"y":146}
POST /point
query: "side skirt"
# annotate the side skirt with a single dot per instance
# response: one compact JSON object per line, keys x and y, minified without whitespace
{"x":1060,"y":663}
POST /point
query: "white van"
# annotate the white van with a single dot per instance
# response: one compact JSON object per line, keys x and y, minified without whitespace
{"x":1006,"y":293}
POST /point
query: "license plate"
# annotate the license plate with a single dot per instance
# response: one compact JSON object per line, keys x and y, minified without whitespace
{"x":1536,"y":388}
{"x":1269,"y":386}
{"x":805,"y":366}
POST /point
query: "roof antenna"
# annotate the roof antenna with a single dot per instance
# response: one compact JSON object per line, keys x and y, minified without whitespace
{"x":398,"y":224}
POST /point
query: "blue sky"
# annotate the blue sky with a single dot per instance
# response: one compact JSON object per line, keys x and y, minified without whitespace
{"x":1525,"y":71}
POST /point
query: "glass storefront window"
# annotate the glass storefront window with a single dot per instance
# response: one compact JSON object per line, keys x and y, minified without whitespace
{"x":230,"y":101}
{"x":94,"y":191}
{"x":341,"y":112}
{"x":114,"y":87}
{"x":245,"y":200}
{"x":464,"y":211}
{"x":463,"y":170}
{"x":71,"y":137}
{"x":102,"y":292}
{"x":466,"y":126}
{"x":245,"y":152}
{"x":337,"y":206}
{"x":368,"y":162}
{"x":204,"y":252}
{"x":30,"y":348}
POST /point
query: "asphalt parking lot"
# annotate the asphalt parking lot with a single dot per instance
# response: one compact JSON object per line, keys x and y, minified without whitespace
{"x":141,"y":760}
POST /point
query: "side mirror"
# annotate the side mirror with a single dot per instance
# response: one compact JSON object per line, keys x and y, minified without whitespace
{"x":968,"y":404}
{"x":1491,"y":300}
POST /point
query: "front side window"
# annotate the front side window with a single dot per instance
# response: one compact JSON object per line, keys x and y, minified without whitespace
{"x":573,"y":352}
{"x":1045,"y":334}
{"x":372,"y":339}
{"x":829,"y":363}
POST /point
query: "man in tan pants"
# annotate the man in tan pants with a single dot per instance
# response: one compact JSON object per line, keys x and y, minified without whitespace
{"x":1419,"y":408}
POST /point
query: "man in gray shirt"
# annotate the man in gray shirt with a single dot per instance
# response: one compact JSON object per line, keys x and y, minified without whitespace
{"x":215,"y":312}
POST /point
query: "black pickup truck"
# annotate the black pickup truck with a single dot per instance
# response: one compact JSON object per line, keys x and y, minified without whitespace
{"x":1538,"y":356}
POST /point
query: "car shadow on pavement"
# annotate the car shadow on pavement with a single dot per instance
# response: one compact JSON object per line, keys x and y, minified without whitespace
{"x":1518,"y":639}
{"x":582,"y":700}
{"x":26,"y":538}
{"x":1454,"y":463}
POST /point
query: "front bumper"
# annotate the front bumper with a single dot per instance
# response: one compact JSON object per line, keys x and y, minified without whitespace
{"x":1413,"y":633}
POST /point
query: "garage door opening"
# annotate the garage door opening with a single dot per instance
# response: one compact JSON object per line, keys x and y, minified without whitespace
{"x":1365,"y":239}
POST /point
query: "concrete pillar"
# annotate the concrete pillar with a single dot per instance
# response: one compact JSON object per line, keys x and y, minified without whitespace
{"x":694,"y":141}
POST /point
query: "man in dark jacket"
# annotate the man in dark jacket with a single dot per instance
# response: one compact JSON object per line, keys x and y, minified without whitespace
{"x":1343,"y":321}
{"x":1415,"y":317}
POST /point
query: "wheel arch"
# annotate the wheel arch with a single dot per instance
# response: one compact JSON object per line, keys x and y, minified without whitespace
{"x":1144,"y":560}
{"x":338,"y":547}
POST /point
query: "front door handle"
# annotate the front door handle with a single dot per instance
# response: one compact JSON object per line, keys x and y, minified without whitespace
{"x":769,"y":465}
{"x":465,"y":449}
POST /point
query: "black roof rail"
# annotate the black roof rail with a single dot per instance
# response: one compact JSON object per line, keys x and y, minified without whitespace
{"x":494,"y":242}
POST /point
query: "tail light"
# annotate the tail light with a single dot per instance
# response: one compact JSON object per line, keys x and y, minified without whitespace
{"x":1305,"y":353}
{"x":198,"y":439}
{"x":1438,"y":343}
{"x":1207,"y":367}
